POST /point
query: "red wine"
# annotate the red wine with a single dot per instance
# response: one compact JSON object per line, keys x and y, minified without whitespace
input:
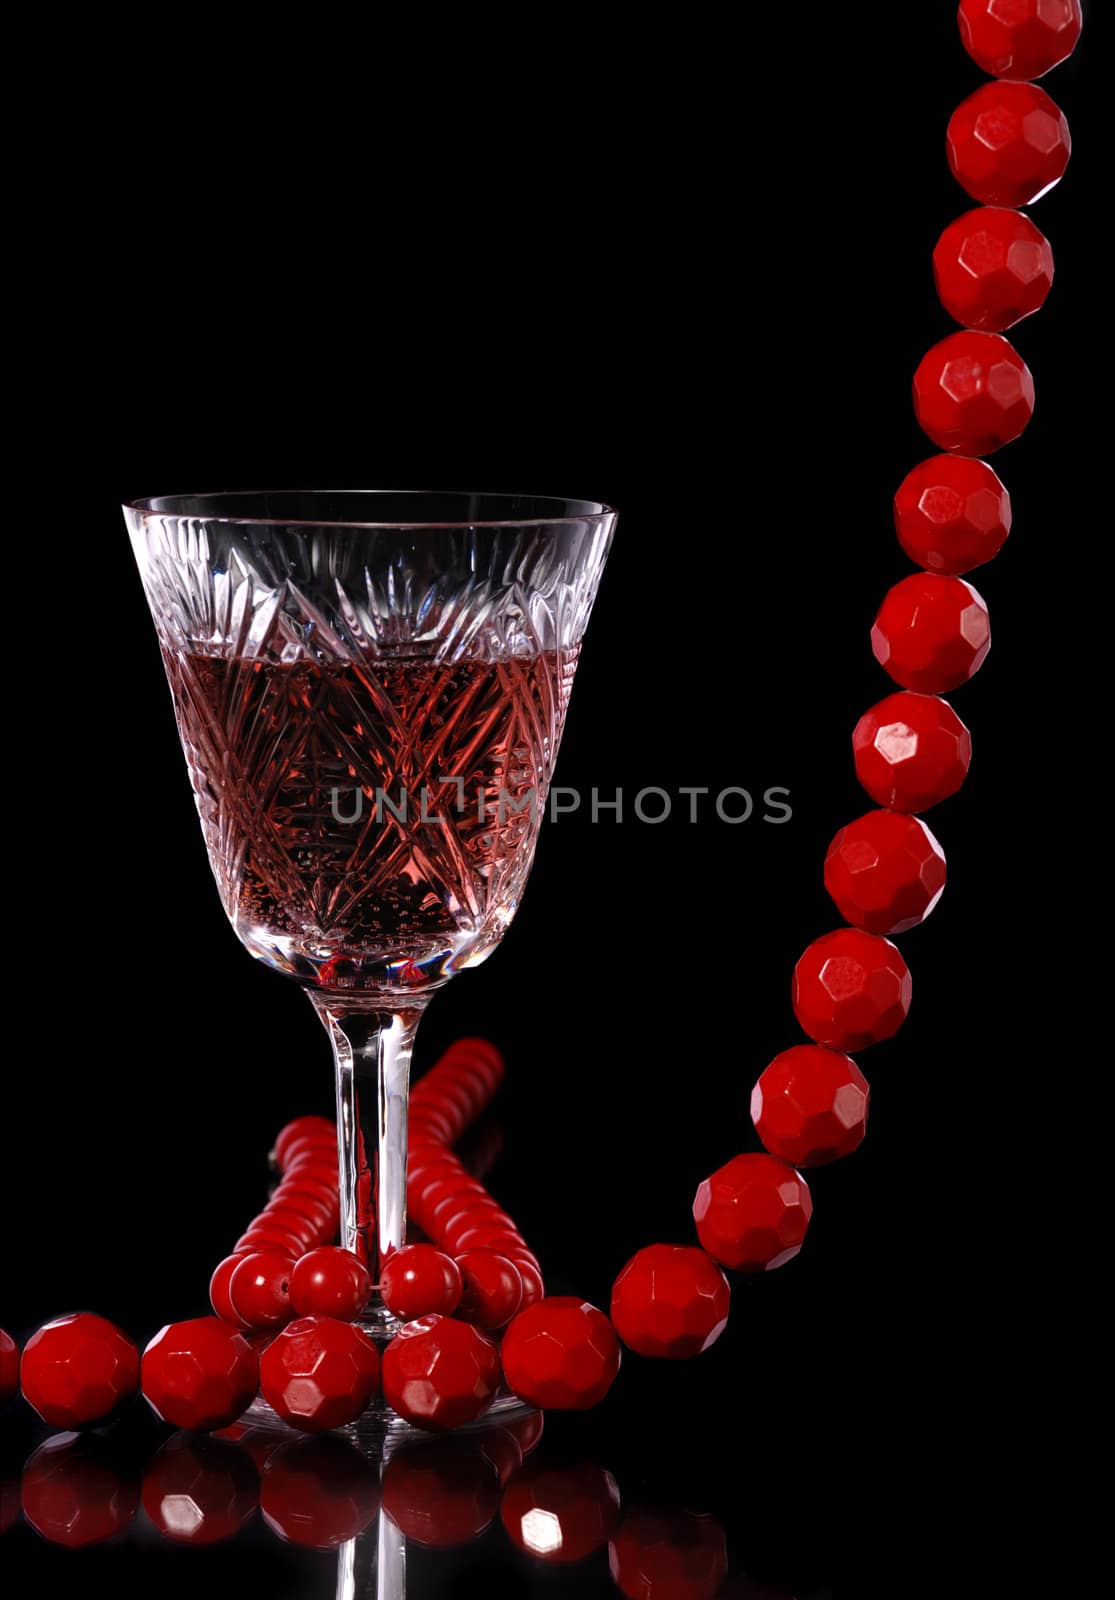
{"x":374,"y":821}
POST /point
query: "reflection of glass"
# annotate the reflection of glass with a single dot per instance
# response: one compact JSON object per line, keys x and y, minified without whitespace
{"x":370,"y":689}
{"x":427,"y":1495}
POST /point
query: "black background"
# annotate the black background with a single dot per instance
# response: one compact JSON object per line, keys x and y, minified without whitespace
{"x":699,"y":296}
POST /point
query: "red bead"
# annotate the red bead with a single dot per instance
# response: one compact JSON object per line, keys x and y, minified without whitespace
{"x":299,"y":1129}
{"x":851,"y":989}
{"x":561,"y":1514}
{"x":992,"y":267}
{"x":199,"y":1374}
{"x":502,"y":1449}
{"x":670,"y":1301}
{"x":271,"y":1238}
{"x":441,"y":1492}
{"x":1019,"y":39}
{"x":418,"y":1281}
{"x":439,"y":1373}
{"x":668,"y":1555}
{"x":78,"y":1369}
{"x":199,"y":1491}
{"x":492,"y":1289}
{"x":9,"y":1366}
{"x":810,"y":1105}
{"x":259,"y":1289}
{"x":911,"y":751}
{"x":752,"y":1214}
{"x":294,"y":1223}
{"x":1008,"y":144}
{"x":534,"y":1289}
{"x":319,"y":1493}
{"x":932,"y":632}
{"x":885,"y":872}
{"x":218,"y":1286}
{"x":74,"y":1494}
{"x":527,"y":1430}
{"x":330,"y":1282}
{"x":319,"y":1373}
{"x":973,"y":393}
{"x":952,"y":514}
{"x":561,"y":1354}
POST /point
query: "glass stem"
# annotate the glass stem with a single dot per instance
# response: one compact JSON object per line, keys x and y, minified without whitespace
{"x":371,"y":1051}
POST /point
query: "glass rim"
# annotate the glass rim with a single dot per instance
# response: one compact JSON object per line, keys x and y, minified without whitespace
{"x":164,"y":506}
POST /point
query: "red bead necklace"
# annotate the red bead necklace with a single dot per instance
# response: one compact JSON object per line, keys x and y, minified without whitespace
{"x":1008,"y":144}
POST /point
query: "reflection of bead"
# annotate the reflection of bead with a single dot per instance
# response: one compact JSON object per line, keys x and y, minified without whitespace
{"x":851,"y":989}
{"x":1008,"y":144}
{"x":670,"y":1301}
{"x":973,"y":393}
{"x":885,"y":872}
{"x":200,"y":1491}
{"x":931,"y":633}
{"x":911,"y":751}
{"x":951,"y":514}
{"x":810,"y":1105}
{"x":78,"y":1369}
{"x":74,"y":1495}
{"x":992,"y":268}
{"x":561,"y":1354}
{"x":439,"y":1373}
{"x":318,"y":1492}
{"x":1024,"y":39}
{"x":752,"y":1213}
{"x":561,"y":1514}
{"x":441,"y":1492}
{"x":199,"y":1374}
{"x":319,"y":1373}
{"x":668,"y":1555}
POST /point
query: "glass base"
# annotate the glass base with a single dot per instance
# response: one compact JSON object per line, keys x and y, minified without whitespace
{"x":379,"y":1424}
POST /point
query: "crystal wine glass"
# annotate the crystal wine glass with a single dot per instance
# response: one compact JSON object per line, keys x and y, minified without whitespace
{"x":370,"y":688}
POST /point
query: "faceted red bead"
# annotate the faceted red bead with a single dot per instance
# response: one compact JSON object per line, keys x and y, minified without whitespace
{"x":973,"y":393}
{"x":74,"y":1494}
{"x":78,"y":1369}
{"x":810,"y":1105}
{"x":885,"y":872}
{"x":1008,"y":144}
{"x":199,"y":1374}
{"x":199,"y":1491}
{"x":851,"y":989}
{"x":492,"y":1288}
{"x":319,"y":1493}
{"x":1020,"y":39}
{"x":441,"y":1492}
{"x":561,"y":1514}
{"x":439,"y":1373}
{"x":992,"y":267}
{"x":417,"y":1281}
{"x":911,"y":751}
{"x":319,"y":1373}
{"x":752,"y":1214}
{"x":259,"y":1289}
{"x":561,"y":1354}
{"x":952,"y":514}
{"x":330,"y":1282}
{"x":932,"y":632}
{"x":9,"y":1366}
{"x":668,"y":1555}
{"x":670,"y":1301}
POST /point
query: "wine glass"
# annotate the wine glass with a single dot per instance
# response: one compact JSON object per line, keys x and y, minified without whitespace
{"x":370,"y":688}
